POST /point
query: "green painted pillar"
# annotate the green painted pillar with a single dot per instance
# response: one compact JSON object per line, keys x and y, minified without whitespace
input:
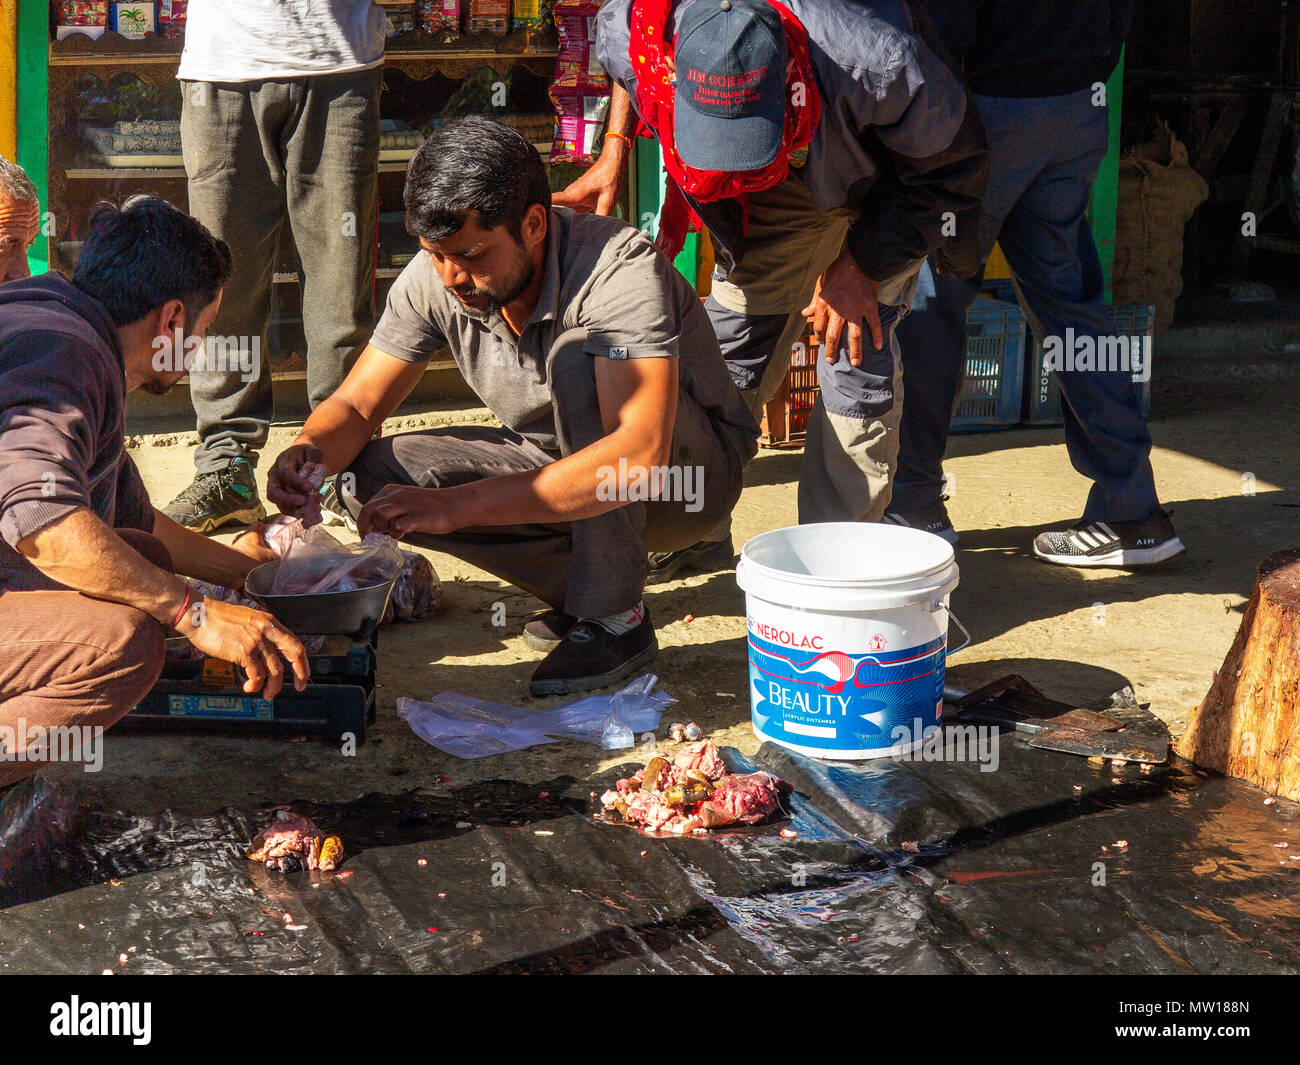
{"x":33,"y":109}
{"x":650,"y":180}
{"x":1105,"y":190}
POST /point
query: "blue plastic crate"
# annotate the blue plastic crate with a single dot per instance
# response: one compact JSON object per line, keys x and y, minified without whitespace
{"x":995,"y":366}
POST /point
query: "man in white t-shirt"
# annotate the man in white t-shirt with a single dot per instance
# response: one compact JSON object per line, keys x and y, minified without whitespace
{"x":279,"y":123}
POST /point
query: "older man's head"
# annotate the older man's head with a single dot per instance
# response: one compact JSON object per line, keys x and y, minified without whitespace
{"x":20,"y":214}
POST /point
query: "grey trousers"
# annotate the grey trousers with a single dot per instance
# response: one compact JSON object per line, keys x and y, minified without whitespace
{"x":588,"y":568}
{"x":258,"y":153}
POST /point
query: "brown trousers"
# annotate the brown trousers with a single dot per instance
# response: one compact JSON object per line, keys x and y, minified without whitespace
{"x":69,"y":660}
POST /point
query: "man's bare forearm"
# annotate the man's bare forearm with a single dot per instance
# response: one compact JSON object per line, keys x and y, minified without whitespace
{"x":339,"y":431}
{"x":623,"y":122}
{"x":565,"y":490}
{"x":622,"y":119}
{"x":199,"y":557}
{"x":82,"y":553}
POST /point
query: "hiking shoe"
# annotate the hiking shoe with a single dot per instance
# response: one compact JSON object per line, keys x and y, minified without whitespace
{"x":707,"y":556}
{"x":932,"y":520}
{"x":590,"y":657}
{"x":1113,"y":543}
{"x":333,"y":511}
{"x":544,"y":631}
{"x":225,"y":497}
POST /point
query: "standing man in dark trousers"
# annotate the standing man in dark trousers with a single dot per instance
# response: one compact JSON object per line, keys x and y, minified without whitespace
{"x":279,"y":122}
{"x":1038,"y":72}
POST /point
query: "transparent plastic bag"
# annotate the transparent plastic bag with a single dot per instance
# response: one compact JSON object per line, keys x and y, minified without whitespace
{"x":319,"y":563}
{"x":609,"y":720}
{"x":282,"y":532}
{"x":471,"y":728}
{"x":468,"y":727}
{"x":418,"y":591}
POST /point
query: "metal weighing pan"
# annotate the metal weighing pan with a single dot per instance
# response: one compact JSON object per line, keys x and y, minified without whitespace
{"x":325,"y":613}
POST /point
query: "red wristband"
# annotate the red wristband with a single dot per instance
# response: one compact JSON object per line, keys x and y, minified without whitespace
{"x":184,"y":606}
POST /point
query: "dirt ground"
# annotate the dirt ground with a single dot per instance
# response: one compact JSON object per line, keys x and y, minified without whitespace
{"x":1223,"y":421}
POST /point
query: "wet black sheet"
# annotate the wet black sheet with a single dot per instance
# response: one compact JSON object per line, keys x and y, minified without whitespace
{"x":920,"y":867}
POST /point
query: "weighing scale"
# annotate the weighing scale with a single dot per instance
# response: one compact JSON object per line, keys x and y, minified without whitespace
{"x":206,"y":695}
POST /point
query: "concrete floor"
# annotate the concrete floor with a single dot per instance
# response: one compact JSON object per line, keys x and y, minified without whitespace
{"x":1224,"y":418}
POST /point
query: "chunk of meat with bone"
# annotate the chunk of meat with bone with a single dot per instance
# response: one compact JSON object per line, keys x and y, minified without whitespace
{"x":705,"y":758}
{"x":694,"y":793}
{"x":293,"y":842}
{"x":747,"y":798}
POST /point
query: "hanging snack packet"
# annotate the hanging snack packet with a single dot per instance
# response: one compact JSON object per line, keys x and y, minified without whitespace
{"x":532,"y":14}
{"x":580,"y":114}
{"x":437,"y":16}
{"x":575,"y":26}
{"x":488,"y":16}
{"x":580,"y":90}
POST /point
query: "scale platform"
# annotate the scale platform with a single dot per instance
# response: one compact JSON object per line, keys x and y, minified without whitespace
{"x":206,"y":695}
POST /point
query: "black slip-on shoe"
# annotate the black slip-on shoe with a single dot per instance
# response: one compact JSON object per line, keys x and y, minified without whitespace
{"x":708,"y":556}
{"x":590,"y":657}
{"x":932,"y":520}
{"x":224,"y":497}
{"x":544,"y":631}
{"x":1111,"y":543}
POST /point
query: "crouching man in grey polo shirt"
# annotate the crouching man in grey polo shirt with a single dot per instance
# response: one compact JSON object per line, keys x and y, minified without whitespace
{"x":622,"y":429}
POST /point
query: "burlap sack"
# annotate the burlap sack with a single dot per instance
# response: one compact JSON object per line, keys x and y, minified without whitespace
{"x":1158,"y":191}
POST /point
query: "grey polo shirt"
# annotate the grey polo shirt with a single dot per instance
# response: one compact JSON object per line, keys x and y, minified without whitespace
{"x":601,"y":275}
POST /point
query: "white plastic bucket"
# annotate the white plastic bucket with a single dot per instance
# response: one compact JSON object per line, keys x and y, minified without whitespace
{"x":848,"y":632}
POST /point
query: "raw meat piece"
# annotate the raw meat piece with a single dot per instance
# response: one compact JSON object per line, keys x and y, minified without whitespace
{"x":747,"y":798}
{"x":705,"y":758}
{"x":693,"y":794}
{"x":293,"y":842}
{"x":315,"y":474}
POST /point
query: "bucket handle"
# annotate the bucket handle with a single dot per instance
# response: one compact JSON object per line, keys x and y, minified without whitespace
{"x":964,"y":631}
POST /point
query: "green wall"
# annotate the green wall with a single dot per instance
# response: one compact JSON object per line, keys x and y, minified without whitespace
{"x":33,"y":107}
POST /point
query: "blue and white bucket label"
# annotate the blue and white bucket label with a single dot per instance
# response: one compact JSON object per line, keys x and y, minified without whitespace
{"x":807,"y":694}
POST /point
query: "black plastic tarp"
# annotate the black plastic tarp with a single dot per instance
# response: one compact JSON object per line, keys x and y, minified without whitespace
{"x":896,"y":867}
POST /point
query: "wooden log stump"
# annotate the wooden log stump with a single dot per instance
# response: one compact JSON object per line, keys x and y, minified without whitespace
{"x":1248,"y":725}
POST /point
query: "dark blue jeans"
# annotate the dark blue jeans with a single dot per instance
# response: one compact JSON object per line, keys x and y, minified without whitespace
{"x":1044,"y":154}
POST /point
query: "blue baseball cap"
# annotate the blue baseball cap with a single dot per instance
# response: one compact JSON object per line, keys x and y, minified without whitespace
{"x":729,"y":112}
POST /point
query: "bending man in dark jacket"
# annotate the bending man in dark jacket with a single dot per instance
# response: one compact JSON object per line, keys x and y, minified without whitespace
{"x":829,"y":150}
{"x":87,"y":565}
{"x":1038,"y":71}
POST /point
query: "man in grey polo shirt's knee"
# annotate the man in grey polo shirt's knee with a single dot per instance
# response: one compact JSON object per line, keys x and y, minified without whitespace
{"x":621,"y":428}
